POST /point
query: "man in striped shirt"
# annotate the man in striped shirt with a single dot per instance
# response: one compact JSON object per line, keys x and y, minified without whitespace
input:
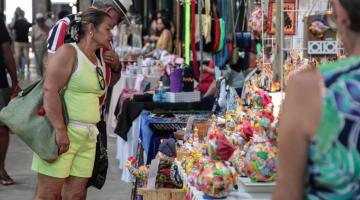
{"x":61,"y":33}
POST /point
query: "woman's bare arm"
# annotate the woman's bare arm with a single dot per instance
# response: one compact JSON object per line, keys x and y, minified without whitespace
{"x":299,"y":121}
{"x":57,"y":74}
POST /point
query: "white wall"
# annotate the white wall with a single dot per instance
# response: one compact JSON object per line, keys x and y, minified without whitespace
{"x":25,"y":5}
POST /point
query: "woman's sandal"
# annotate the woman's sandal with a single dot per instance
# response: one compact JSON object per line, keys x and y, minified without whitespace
{"x":6,"y":180}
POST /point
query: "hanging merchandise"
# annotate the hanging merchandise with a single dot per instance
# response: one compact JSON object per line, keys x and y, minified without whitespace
{"x":256,"y":21}
{"x":222,"y":34}
{"x":216,"y":27}
{"x":223,"y":25}
{"x":222,"y":57}
{"x":206,"y":23}
{"x":318,"y":28}
{"x":187,"y":31}
{"x":233,"y":50}
{"x":242,"y":38}
{"x":289,"y":13}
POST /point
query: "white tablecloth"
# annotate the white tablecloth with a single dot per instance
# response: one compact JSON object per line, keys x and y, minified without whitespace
{"x":125,"y":149}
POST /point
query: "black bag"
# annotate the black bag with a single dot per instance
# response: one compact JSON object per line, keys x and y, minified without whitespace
{"x":101,"y":163}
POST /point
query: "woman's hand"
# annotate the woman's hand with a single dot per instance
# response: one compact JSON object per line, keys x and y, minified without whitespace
{"x":111,"y":58}
{"x":15,"y":89}
{"x":62,"y":140}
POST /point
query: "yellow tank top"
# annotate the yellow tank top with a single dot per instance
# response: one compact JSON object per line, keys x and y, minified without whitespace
{"x":160,"y":42}
{"x":83,"y":91}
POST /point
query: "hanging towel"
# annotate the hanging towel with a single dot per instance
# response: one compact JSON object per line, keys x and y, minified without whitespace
{"x":222,"y":35}
{"x":187,"y":31}
{"x":206,"y":24}
{"x":216,"y":27}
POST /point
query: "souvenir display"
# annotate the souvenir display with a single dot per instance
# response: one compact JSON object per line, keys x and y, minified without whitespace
{"x":260,"y":160}
{"x":215,"y":179}
{"x":318,"y":28}
{"x":168,"y":175}
{"x":256,"y":21}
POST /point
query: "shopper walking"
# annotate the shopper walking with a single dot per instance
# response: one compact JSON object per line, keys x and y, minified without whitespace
{"x":22,"y":45}
{"x":319,"y":126}
{"x":6,"y":62}
{"x":66,"y":178}
{"x":39,"y":44}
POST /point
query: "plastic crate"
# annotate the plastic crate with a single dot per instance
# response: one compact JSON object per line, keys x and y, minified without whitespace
{"x":187,"y":97}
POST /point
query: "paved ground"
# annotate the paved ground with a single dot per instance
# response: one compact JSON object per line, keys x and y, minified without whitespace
{"x":18,"y":164}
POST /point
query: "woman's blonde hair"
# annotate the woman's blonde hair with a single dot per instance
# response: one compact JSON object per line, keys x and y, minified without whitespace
{"x":91,"y":16}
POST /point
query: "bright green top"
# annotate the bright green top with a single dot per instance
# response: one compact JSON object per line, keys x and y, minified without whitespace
{"x":334,"y":158}
{"x":83,"y":91}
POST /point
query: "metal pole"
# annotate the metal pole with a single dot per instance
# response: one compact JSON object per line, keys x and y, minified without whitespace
{"x":281,"y":6}
{"x":278,"y":66}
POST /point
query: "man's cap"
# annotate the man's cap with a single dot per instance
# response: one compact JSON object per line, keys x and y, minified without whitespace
{"x":122,"y":5}
{"x":168,"y":147}
{"x":39,"y":16}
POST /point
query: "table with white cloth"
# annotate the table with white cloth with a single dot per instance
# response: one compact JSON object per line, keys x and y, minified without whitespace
{"x":128,"y":148}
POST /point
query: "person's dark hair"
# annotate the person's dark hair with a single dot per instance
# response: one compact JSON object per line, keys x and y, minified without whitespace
{"x":2,"y":17}
{"x":91,"y":16}
{"x":63,"y":14}
{"x":352,"y":7}
{"x":162,"y":12}
{"x":166,"y":22}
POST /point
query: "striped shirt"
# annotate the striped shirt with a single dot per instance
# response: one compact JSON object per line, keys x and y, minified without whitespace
{"x":60,"y":33}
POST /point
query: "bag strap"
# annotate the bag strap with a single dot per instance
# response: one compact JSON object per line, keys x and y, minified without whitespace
{"x":62,"y":92}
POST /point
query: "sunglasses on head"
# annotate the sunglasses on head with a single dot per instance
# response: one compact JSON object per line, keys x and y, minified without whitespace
{"x":100,"y":77}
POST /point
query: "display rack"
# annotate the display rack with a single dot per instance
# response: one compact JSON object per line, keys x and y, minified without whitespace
{"x":296,"y":41}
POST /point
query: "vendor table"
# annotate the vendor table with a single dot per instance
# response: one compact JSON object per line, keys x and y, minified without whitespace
{"x":129,"y":125}
{"x":150,"y":137}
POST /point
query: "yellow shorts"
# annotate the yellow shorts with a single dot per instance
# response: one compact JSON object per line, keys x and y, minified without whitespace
{"x":78,"y":161}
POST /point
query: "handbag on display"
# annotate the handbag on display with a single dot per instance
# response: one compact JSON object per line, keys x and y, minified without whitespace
{"x":243,"y":38}
{"x":26,"y":117}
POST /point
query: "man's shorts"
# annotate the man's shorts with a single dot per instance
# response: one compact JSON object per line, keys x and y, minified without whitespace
{"x":78,"y":161}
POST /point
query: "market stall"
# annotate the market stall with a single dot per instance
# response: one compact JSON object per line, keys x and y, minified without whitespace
{"x":233,"y":154}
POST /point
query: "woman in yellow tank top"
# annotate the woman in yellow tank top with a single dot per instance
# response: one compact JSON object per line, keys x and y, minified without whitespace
{"x":165,"y":41}
{"x":76,"y":140}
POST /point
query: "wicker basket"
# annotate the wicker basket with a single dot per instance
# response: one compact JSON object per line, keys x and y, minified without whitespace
{"x":162,"y":194}
{"x":202,"y":127}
